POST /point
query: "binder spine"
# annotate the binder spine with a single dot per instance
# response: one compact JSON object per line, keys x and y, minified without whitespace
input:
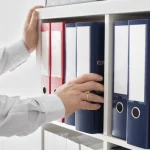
{"x":119,"y":101}
{"x":141,"y":125}
{"x":46,"y":80}
{"x":147,"y":79}
{"x":58,"y":81}
{"x":97,"y":51}
{"x":96,"y":66}
{"x":82,"y":116}
{"x":97,"y":46}
{"x":63,"y":53}
{"x":63,"y":56}
{"x":70,"y":119}
{"x":68,"y":25}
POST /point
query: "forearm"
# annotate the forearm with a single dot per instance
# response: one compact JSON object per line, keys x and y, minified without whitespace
{"x":22,"y":117}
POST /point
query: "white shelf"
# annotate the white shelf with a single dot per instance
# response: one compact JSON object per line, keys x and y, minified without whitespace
{"x":95,"y":8}
{"x":105,"y":138}
{"x":110,"y":11}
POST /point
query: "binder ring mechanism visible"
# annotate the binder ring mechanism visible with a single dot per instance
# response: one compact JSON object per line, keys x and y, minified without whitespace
{"x":136,"y":112}
{"x":119,"y":107}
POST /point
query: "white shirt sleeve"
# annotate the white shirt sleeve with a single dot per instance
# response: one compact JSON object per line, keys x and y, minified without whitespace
{"x":22,"y":117}
{"x":13,"y":56}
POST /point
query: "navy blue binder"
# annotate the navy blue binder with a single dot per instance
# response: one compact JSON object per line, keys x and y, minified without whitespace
{"x":138,"y":123}
{"x":90,"y":59}
{"x":120,"y":79}
{"x":70,"y":72}
{"x":70,"y":120}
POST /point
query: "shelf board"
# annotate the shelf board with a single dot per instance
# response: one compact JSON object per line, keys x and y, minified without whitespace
{"x":97,"y":8}
{"x":103,"y":137}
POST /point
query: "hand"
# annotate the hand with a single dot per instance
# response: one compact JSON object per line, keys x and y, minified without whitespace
{"x":30,"y":34}
{"x":74,"y":93}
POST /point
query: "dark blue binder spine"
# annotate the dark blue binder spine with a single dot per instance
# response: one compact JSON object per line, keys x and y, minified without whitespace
{"x":138,"y":130}
{"x":70,"y":120}
{"x":118,"y":119}
{"x":85,"y":120}
{"x":147,"y":81}
{"x":97,"y":47}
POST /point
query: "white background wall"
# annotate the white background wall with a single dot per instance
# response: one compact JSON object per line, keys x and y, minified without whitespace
{"x":22,"y":81}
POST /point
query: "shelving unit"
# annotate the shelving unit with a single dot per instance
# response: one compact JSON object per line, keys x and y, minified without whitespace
{"x":96,"y":8}
{"x":109,"y":139}
{"x":109,"y":11}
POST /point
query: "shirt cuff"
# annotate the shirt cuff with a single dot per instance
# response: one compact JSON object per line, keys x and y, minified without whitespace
{"x":18,"y":53}
{"x":52,"y":106}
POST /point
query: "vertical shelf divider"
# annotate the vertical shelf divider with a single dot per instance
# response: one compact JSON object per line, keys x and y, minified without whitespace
{"x":108,"y":74}
{"x":109,"y":20}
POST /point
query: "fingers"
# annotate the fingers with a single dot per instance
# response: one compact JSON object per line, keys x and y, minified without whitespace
{"x":30,"y":14}
{"x":34,"y":21}
{"x":91,"y":86}
{"x":88,"y":106}
{"x":88,"y":77}
{"x":92,"y":98}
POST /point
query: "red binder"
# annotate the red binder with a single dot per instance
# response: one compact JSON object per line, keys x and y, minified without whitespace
{"x":45,"y":65}
{"x":57,"y":55}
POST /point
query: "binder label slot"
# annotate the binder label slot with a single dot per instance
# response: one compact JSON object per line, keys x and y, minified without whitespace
{"x":121,"y":59}
{"x":45,"y":54}
{"x":83,"y":50}
{"x":137,"y":48}
{"x":70,"y":53}
{"x":56,"y":54}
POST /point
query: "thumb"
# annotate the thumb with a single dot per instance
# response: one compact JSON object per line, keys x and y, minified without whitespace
{"x":34,"y":21}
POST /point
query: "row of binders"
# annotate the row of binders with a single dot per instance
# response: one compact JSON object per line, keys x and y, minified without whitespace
{"x":131,"y":97}
{"x":50,"y":3}
{"x":68,"y":51}
{"x":73,"y":49}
